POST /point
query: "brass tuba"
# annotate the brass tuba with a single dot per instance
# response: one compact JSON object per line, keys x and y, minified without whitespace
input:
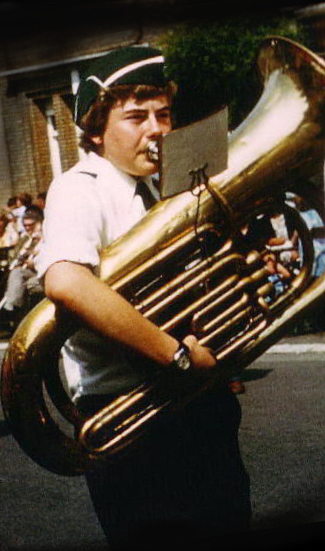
{"x":189,"y":267}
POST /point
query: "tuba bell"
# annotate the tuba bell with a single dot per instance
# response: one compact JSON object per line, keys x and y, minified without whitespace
{"x":190,"y":266}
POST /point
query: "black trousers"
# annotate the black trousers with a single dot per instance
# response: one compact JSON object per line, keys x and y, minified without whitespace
{"x":185,"y":483}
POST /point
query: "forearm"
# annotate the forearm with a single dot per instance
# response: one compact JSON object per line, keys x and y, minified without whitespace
{"x":75,"y":288}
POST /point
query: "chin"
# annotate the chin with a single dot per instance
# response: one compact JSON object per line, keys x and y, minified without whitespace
{"x":148,"y":170}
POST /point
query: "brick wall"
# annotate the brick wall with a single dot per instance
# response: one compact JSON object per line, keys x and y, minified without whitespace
{"x":17,"y":127}
{"x":66,"y":130}
{"x":5,"y":171}
{"x":41,"y":154}
{"x":25,"y":163}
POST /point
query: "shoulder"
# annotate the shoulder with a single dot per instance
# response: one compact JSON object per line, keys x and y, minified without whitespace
{"x":81,"y":171}
{"x":78,"y":181}
{"x":88,"y":172}
{"x":92,"y":181}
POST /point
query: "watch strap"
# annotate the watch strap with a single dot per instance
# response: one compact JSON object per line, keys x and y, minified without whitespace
{"x":182,"y":360}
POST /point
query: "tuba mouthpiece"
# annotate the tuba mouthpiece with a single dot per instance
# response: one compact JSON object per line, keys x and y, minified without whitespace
{"x":153,"y":151}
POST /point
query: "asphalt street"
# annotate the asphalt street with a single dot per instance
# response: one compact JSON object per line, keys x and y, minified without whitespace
{"x":282,"y":438}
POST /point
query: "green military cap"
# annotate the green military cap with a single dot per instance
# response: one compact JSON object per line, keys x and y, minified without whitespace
{"x":125,"y":65}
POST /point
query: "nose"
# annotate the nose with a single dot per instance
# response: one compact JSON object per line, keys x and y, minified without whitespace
{"x":154,"y":127}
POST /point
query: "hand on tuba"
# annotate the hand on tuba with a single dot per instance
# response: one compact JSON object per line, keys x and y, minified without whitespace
{"x":202,"y":357}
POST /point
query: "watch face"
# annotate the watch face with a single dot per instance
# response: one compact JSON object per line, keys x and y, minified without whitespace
{"x":184,"y":361}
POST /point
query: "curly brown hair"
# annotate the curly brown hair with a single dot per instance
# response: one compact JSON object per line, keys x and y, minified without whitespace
{"x":94,"y":122}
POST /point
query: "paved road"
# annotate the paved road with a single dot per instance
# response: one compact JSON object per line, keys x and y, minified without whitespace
{"x":283,"y":445}
{"x":282,"y":438}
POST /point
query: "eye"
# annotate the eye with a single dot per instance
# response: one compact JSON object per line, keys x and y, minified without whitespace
{"x":136,"y":117}
{"x":164,"y":116}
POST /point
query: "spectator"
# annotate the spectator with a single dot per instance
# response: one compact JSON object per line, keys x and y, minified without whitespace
{"x":8,"y":239}
{"x":11,"y":205}
{"x":273,"y":233}
{"x":38,"y":205}
{"x":22,"y":281}
{"x":24,"y":200}
{"x":8,"y":233}
{"x":41,"y":199}
{"x":35,"y":209}
{"x":317,"y":231}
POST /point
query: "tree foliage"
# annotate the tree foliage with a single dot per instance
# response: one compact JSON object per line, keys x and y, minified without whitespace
{"x":213,"y":64}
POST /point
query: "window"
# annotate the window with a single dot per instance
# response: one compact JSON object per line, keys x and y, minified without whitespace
{"x":75,"y":80}
{"x":52,"y":134}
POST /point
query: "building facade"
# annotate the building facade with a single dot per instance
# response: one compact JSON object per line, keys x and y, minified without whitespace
{"x":41,"y":56}
{"x":39,"y":74}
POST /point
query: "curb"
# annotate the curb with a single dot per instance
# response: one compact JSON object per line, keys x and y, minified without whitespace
{"x":296,"y":348}
{"x":282,"y":348}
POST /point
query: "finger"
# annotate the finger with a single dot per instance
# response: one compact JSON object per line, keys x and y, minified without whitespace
{"x":190,"y":340}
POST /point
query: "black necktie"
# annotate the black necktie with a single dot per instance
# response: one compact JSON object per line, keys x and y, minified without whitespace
{"x":144,"y":192}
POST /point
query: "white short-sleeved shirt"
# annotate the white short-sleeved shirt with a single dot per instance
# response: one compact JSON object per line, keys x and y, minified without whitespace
{"x":87,"y":208}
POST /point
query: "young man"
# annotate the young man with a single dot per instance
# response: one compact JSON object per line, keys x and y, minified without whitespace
{"x":191,"y":471}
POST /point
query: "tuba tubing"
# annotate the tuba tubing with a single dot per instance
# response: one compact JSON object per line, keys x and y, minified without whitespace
{"x":282,"y":136}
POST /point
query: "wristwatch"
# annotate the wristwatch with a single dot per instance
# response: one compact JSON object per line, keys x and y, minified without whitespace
{"x":182,"y":358}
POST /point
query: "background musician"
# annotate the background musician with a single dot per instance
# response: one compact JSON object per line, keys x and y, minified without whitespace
{"x":8,"y":239}
{"x":187,"y":479}
{"x":8,"y":233}
{"x":22,"y":281}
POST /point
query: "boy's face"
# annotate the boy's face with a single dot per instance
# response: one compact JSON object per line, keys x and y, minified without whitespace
{"x":131,"y":125}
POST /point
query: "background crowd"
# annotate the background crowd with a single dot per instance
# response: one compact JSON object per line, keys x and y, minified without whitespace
{"x":20,"y":237}
{"x":21,"y":222}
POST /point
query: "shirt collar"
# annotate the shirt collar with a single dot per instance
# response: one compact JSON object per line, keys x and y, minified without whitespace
{"x":104,"y":166}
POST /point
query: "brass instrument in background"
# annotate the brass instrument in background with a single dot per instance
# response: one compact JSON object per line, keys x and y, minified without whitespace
{"x":189,"y":267}
{"x":26,"y":251}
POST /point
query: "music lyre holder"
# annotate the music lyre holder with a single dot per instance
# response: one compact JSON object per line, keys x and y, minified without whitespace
{"x":192,"y":154}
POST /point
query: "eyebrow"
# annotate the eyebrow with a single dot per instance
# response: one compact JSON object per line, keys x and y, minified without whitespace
{"x":141,"y":110}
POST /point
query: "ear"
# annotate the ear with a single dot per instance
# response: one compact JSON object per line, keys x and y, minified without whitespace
{"x":97,"y":140}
